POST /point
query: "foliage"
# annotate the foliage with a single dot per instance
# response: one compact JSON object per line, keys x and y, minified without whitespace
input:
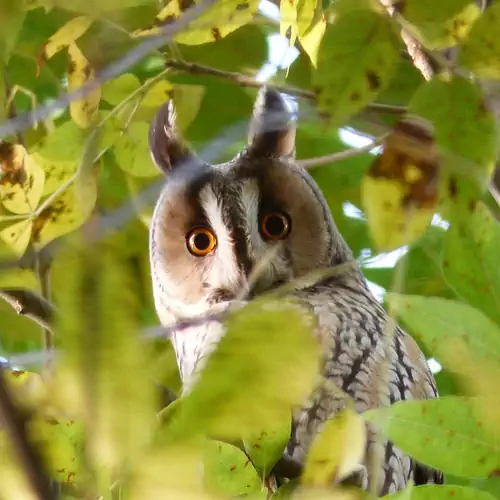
{"x":74,"y":229}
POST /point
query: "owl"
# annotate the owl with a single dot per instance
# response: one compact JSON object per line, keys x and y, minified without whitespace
{"x":213,"y":224}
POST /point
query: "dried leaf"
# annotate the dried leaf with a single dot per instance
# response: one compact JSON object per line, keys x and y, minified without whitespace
{"x":400,"y":190}
{"x":80,"y":72}
{"x":356,"y":60}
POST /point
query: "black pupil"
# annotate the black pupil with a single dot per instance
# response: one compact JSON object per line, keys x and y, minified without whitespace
{"x":202,"y":241}
{"x":275,"y":225}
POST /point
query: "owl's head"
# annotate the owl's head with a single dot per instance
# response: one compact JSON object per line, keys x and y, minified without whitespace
{"x":246,"y":225}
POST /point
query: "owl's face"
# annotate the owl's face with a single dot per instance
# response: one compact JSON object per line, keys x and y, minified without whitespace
{"x":226,"y":232}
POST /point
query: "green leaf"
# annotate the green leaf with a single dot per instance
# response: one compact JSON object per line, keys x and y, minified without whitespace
{"x":251,"y":354}
{"x":443,"y":433}
{"x":100,"y":329}
{"x":95,"y":7}
{"x":480,"y":52}
{"x":228,"y":471}
{"x":116,"y":90}
{"x":357,"y":58}
{"x":132,"y":151}
{"x":466,"y":132}
{"x":441,"y":492}
{"x":266,"y":447}
{"x":443,"y":24}
{"x":440,"y":323}
{"x":470,"y":261}
{"x":59,"y":154}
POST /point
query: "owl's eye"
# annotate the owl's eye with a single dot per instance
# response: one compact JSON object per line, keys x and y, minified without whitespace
{"x":275,"y":226}
{"x":201,"y":241}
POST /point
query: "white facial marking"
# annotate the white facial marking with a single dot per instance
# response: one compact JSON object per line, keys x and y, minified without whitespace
{"x":223,"y":271}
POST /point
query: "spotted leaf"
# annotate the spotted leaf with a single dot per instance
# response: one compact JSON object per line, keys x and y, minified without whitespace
{"x":219,"y":20}
{"x":80,"y":72}
{"x":400,"y":189}
{"x":16,"y":236}
{"x":356,"y":60}
{"x":21,"y":181}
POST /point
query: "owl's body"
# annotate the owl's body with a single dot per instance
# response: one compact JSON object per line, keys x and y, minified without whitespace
{"x":251,"y":225}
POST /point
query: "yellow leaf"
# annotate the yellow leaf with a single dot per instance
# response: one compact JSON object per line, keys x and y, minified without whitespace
{"x":218,"y":21}
{"x":288,"y":19}
{"x":116,"y":90}
{"x":68,"y":212}
{"x":337,"y":451}
{"x":66,"y":35}
{"x":83,"y":111}
{"x":27,"y":388}
{"x":21,"y":183}
{"x":311,"y":40}
{"x":399,"y":191}
{"x":17,"y":236}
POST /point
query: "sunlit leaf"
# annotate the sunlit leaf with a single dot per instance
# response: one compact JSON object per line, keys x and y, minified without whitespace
{"x":441,"y":492}
{"x":337,"y":451}
{"x":400,"y":190}
{"x":95,"y":7}
{"x":227,"y":471}
{"x":59,"y":154}
{"x":16,"y":235}
{"x":469,"y":262}
{"x":356,"y":60}
{"x":288,"y":20}
{"x":80,"y":72}
{"x":444,"y":433}
{"x":65,"y":36}
{"x":27,"y":388}
{"x":443,"y":24}
{"x":67,"y":212}
{"x":438,"y":323}
{"x":132,"y":151}
{"x":311,"y":40}
{"x":21,"y":179}
{"x":276,"y":375}
{"x":219,"y":20}
{"x":480,"y":52}
{"x":187,"y":101}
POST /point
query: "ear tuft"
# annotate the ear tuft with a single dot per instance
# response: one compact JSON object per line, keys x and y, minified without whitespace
{"x":167,"y":147}
{"x":272,"y":129}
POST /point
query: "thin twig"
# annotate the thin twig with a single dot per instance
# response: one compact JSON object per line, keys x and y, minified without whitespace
{"x":14,"y":424}
{"x":132,"y":57}
{"x":342,"y":155}
{"x":42,"y":271}
{"x":247,"y":81}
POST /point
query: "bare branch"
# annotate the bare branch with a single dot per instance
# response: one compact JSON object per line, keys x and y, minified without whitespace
{"x":14,"y":424}
{"x":247,"y":81}
{"x":28,"y":303}
{"x":342,"y":155}
{"x":41,"y":113}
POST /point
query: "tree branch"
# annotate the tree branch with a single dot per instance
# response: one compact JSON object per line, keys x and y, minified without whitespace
{"x":247,"y":81}
{"x":14,"y":424}
{"x":342,"y":155}
{"x":28,"y":303}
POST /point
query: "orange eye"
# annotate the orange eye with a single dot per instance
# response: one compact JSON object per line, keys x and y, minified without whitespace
{"x":201,"y":241}
{"x":275,"y":226}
